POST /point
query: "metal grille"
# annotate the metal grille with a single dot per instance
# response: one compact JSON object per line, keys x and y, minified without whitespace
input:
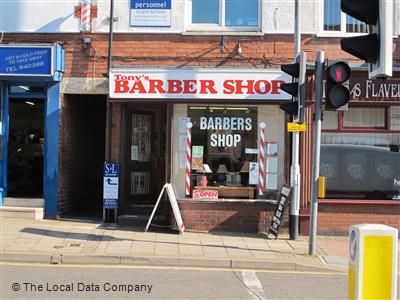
{"x":140,"y":183}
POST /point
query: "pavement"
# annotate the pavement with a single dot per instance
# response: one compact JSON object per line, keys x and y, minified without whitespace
{"x":91,"y":242}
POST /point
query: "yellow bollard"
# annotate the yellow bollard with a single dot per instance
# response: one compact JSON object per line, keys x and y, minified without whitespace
{"x":321,"y":186}
{"x":372,"y":262}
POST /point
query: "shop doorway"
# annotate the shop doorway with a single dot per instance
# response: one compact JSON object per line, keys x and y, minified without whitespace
{"x":25,"y":148}
{"x":145,"y":157}
{"x":82,"y":156}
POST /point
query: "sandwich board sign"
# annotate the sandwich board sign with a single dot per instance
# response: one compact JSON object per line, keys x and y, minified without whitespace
{"x":280,"y":211}
{"x":174,"y":204}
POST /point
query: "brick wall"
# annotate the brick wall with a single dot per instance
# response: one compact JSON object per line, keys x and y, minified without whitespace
{"x":65,"y":144}
{"x":176,"y":50}
{"x":116,"y":119}
{"x":335,"y":218}
{"x":228,"y":216}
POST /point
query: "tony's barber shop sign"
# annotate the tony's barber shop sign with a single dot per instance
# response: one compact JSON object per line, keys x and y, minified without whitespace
{"x":198,"y":84}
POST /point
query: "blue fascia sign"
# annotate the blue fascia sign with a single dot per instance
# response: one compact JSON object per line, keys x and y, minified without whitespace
{"x":110,"y":185}
{"x":150,"y":13}
{"x":40,"y":61}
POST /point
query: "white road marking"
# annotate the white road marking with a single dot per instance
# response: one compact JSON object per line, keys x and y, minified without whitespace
{"x":251,"y":280}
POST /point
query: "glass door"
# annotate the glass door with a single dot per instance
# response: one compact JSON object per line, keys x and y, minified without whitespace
{"x":139,"y":158}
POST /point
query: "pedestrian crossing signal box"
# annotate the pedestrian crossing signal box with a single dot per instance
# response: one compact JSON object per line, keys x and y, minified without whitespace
{"x":372,"y":262}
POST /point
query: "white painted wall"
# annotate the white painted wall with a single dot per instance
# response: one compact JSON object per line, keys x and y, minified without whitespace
{"x":279,"y":16}
{"x":38,"y":16}
{"x":45,"y":16}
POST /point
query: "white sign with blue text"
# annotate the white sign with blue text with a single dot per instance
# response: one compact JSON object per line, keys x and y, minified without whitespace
{"x":151,"y":13}
{"x":110,"y":185}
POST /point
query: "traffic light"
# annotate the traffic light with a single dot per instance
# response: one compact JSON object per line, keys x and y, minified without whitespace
{"x":376,"y":47}
{"x":337,"y":92}
{"x":297,"y":88}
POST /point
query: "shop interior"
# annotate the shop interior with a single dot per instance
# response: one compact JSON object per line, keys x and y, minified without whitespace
{"x":25,"y":148}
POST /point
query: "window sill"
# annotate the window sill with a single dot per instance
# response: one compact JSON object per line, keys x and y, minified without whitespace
{"x":247,"y":201}
{"x":337,"y":34}
{"x":222,"y":32}
{"x":353,"y":201}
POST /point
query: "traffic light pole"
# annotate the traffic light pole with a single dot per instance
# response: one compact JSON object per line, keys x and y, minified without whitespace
{"x":319,"y":74}
{"x":295,"y":167}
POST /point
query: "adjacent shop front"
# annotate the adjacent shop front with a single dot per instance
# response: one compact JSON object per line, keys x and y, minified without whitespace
{"x":217,"y":135}
{"x":30,"y":117}
{"x":360,"y":157}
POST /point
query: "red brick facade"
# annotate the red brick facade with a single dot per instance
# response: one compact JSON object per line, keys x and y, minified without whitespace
{"x":337,"y":217}
{"x":228,"y":216}
{"x":180,"y":51}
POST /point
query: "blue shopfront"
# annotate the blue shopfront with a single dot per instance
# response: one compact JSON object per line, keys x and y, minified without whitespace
{"x":30,"y":78}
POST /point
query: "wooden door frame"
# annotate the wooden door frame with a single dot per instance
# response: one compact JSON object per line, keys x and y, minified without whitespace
{"x":126,"y":112}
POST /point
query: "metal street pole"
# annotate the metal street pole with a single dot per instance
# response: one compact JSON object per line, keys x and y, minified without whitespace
{"x":295,"y":167}
{"x":319,"y":74}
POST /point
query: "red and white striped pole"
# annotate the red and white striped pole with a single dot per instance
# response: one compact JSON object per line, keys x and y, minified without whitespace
{"x":85,"y":15}
{"x":189,"y":126}
{"x":261,"y":160}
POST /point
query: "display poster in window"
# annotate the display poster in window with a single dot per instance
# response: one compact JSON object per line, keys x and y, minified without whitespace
{"x":182,"y":124}
{"x":272,"y":148}
{"x":272,"y":165}
{"x":182,"y":142}
{"x":253,"y":173}
{"x":271,"y":181}
{"x":150,"y":13}
{"x":134,"y":152}
{"x":197,"y":157}
{"x":280,"y":211}
{"x":182,"y":160}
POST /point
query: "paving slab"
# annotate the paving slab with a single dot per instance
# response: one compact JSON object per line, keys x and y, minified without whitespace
{"x":96,"y":243}
{"x":85,"y":259}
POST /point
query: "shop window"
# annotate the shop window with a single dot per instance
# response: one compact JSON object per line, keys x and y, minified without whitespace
{"x":330,"y":120}
{"x":224,"y":139}
{"x":221,"y":14}
{"x":370,"y":117}
{"x":140,"y":183}
{"x":25,"y":89}
{"x":336,"y":21}
{"x":363,"y":164}
{"x":395,"y":118}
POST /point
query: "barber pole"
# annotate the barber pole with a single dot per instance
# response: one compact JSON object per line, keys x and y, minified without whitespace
{"x":261,"y":168}
{"x":188,"y":156}
{"x":85,"y":15}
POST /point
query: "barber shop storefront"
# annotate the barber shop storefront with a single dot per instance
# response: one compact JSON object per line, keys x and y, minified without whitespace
{"x":30,"y":117}
{"x":217,"y":135}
